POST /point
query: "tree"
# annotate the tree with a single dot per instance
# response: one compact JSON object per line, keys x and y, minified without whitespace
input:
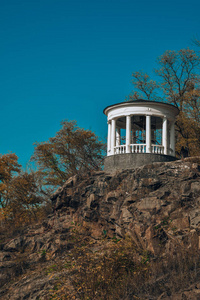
{"x":196,"y":41}
{"x":179,"y":84}
{"x":8,"y":167}
{"x":26,"y":198}
{"x":25,"y":190}
{"x":72,"y":151}
{"x":22,"y":199}
{"x":146,"y":87}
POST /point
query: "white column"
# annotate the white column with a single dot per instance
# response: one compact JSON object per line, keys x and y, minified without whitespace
{"x":164,"y":135}
{"x":118,"y":136}
{"x":128,"y":134}
{"x":113,"y":136}
{"x":168,"y":140}
{"x":109,"y":139}
{"x":172,"y":137}
{"x":118,"y":139}
{"x":148,"y":134}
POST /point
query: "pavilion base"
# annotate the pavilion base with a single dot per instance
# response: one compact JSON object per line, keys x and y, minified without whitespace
{"x":121,"y":162}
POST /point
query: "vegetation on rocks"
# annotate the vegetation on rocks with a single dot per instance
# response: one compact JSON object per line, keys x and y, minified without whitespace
{"x":24,"y":195}
{"x":130,"y":235}
{"x":21,"y":199}
{"x":72,"y":151}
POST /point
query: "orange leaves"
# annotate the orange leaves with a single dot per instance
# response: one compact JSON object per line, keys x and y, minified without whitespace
{"x":25,"y":189}
{"x":73,"y":150}
{"x":20,"y":193}
{"x":188,"y":134}
{"x":178,"y":82}
{"x":8,"y":166}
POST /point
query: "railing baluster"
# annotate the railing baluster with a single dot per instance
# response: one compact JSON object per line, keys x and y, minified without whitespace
{"x":141,"y":148}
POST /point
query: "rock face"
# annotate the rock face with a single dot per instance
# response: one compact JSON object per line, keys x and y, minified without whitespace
{"x":157,"y":204}
{"x":146,"y":196}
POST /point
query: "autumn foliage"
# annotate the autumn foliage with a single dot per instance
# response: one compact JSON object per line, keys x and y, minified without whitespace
{"x":8,"y":167}
{"x":177,"y":82}
{"x":73,"y":150}
{"x":24,"y":196}
{"x":20,"y":194}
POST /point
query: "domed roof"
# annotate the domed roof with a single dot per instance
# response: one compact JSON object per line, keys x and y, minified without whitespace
{"x":147,"y":103}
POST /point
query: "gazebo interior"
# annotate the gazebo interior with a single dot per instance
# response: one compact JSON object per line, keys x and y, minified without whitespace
{"x":138,"y":132}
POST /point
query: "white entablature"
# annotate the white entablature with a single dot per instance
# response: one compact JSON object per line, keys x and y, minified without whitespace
{"x":141,"y":127}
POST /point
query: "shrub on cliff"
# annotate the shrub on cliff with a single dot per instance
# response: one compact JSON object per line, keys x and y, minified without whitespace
{"x":73,"y":150}
{"x":21,"y":195}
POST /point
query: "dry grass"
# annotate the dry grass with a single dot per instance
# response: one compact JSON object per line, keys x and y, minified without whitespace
{"x":119,"y":270}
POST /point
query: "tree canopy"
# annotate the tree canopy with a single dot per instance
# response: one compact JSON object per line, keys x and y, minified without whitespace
{"x":24,"y":195}
{"x":72,"y":151}
{"x":21,"y":193}
{"x":178,"y":83}
{"x":8,"y":167}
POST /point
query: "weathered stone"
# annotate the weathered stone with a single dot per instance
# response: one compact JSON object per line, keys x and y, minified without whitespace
{"x":129,"y":200}
{"x":181,"y":223}
{"x":157,"y":206}
{"x":149,"y":204}
{"x":115,"y":163}
{"x":14,"y":244}
{"x":194,"y":218}
{"x":112,"y":196}
{"x":5,"y":256}
{"x":91,"y":200}
{"x":195,"y":187}
{"x":149,"y":238}
{"x":70,"y":182}
{"x":126,"y":215}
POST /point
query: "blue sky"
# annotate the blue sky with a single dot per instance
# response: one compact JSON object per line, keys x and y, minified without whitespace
{"x":63,"y":59}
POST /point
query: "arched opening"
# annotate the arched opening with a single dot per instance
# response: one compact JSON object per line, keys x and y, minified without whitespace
{"x":138,"y":135}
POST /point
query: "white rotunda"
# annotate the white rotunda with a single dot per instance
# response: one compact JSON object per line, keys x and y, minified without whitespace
{"x":139,"y":132}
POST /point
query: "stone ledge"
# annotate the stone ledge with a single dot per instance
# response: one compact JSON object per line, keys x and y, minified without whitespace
{"x":133,"y":160}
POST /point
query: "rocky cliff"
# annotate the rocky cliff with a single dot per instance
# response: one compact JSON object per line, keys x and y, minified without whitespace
{"x":155,"y":209}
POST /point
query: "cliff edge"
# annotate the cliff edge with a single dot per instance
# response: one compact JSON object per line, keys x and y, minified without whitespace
{"x":128,"y":235}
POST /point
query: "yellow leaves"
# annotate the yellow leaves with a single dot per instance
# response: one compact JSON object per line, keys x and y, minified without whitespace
{"x":179,"y":81}
{"x":19,"y":201}
{"x":73,"y":150}
{"x":188,"y":134}
{"x":8,"y":166}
